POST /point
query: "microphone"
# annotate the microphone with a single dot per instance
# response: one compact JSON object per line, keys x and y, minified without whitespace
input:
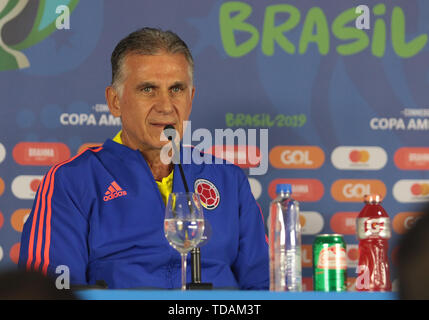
{"x":196,"y":284}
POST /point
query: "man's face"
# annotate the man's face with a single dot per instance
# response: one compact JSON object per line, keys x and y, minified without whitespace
{"x":157,"y":90}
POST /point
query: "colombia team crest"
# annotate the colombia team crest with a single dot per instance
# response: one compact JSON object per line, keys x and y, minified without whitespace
{"x":209,"y":195}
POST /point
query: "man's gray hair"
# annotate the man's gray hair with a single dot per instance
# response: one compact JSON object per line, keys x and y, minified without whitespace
{"x":147,"y":41}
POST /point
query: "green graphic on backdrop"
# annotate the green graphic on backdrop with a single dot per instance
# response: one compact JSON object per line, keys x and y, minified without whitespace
{"x":37,"y":17}
{"x":315,"y":30}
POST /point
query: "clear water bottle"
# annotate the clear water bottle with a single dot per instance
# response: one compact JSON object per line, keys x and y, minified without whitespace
{"x":284,"y":234}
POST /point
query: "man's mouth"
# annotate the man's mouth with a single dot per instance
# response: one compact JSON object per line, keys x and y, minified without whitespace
{"x":162,"y":124}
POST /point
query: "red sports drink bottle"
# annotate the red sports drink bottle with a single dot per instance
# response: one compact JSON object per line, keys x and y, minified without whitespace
{"x":373,"y":231}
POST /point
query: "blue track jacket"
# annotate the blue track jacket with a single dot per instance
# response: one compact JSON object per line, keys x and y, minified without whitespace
{"x":101,"y":214}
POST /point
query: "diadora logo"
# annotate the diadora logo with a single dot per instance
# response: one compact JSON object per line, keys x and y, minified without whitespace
{"x":412,"y":158}
{"x":411,"y":191}
{"x":355,"y":190}
{"x":40,"y":153}
{"x":114,"y":191}
{"x":304,"y":190}
{"x":344,"y":222}
{"x":359,"y":158}
{"x":403,"y":221}
{"x":297,"y":157}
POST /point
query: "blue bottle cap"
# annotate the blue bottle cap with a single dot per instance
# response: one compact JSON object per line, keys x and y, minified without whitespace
{"x":285,"y":187}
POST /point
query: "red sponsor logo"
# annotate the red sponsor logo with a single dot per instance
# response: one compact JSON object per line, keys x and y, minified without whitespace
{"x":307,"y":256}
{"x":114,"y":191}
{"x":412,"y":158}
{"x":40,"y":153}
{"x":240,"y":155}
{"x":344,"y":222}
{"x":303,"y":190}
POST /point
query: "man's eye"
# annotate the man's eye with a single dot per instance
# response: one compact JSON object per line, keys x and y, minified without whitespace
{"x":176,"y":89}
{"x":147,"y":89}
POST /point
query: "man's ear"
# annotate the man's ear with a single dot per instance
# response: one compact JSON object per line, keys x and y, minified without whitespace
{"x":112,"y":98}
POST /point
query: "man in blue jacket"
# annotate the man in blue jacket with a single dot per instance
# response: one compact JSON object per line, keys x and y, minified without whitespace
{"x":101,"y":213}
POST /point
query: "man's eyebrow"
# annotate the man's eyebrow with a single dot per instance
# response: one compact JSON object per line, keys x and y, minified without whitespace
{"x":179,"y":84}
{"x":145,"y":84}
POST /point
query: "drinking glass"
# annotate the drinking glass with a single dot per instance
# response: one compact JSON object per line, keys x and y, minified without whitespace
{"x":183,"y":224}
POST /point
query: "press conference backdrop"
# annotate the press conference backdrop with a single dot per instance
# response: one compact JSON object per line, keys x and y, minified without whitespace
{"x":347,"y":109}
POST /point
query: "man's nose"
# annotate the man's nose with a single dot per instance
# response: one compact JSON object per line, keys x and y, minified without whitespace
{"x":164,"y":103}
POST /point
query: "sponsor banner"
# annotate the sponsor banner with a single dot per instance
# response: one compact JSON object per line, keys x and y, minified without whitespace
{"x":14,"y":253}
{"x":359,"y":158}
{"x":311,"y":222}
{"x":352,"y":255}
{"x":25,"y":187}
{"x":411,"y":191}
{"x":307,"y":255}
{"x":40,"y":153}
{"x":403,"y":221}
{"x":354,"y":190}
{"x":303,"y":190}
{"x":297,"y":157}
{"x":88,"y":145}
{"x":18,"y":219}
{"x":1,"y":219}
{"x":255,"y":187}
{"x":412,"y":158}
{"x":344,"y":222}
{"x":240,"y":155}
{"x":2,"y":153}
{"x":1,"y":186}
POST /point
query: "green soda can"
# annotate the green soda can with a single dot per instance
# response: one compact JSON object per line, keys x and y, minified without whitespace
{"x":329,"y":263}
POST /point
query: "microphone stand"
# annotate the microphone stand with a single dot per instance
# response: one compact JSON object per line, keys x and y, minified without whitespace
{"x":196,"y":283}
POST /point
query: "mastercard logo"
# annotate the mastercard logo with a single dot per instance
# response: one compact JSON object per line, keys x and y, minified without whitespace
{"x":352,"y":255}
{"x":18,"y":219}
{"x":25,"y":187}
{"x":40,"y":153}
{"x":303,"y":190}
{"x":354,"y":190}
{"x":412,"y":158}
{"x":2,"y":153}
{"x":359,"y":158}
{"x":307,"y":256}
{"x":297,"y":157}
{"x":1,"y":186}
{"x":311,"y":222}
{"x":88,"y":145}
{"x":241,"y":155}
{"x":411,"y":190}
{"x":344,"y":222}
{"x":403,"y":221}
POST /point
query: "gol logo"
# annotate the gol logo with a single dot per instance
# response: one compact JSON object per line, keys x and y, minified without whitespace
{"x":307,"y":284}
{"x":1,"y":186}
{"x":355,"y":190}
{"x":18,"y":219}
{"x":412,"y":158}
{"x":40,"y":153}
{"x":241,"y":155}
{"x":304,"y":190}
{"x":297,"y":157}
{"x":307,"y":256}
{"x":344,"y":222}
{"x":411,"y":190}
{"x":403,"y":221}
